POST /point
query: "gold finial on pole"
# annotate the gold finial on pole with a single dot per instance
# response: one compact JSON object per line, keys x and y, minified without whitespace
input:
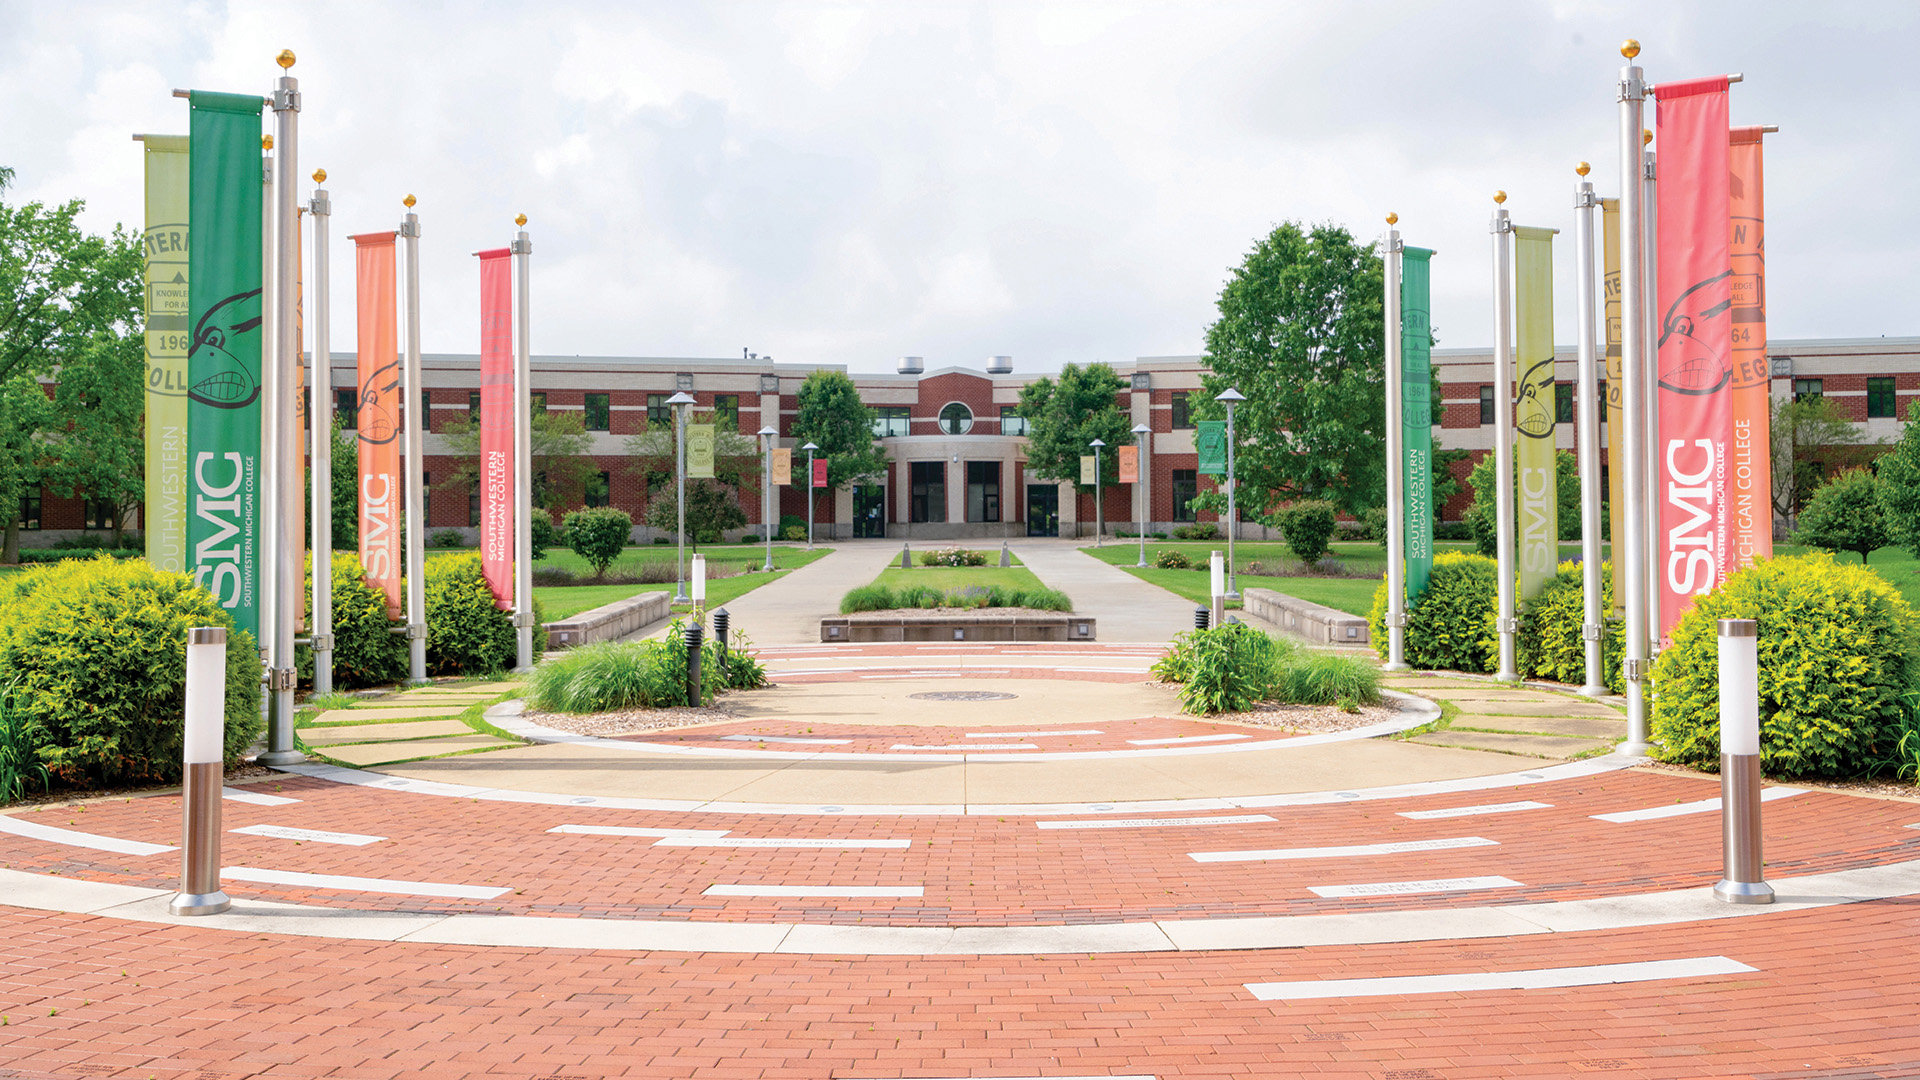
{"x":285,"y":59}
{"x":319,"y":176}
{"x":1630,"y":48}
{"x":1646,"y":136}
{"x":1393,"y":218}
{"x":407,"y":202}
{"x":1499,"y":198}
{"x":1583,"y":168}
{"x":266,"y":142}
{"x":520,"y":220}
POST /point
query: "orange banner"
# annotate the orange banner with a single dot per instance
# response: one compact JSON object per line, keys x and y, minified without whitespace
{"x":1750,"y":480}
{"x":378,"y":425}
{"x":1129,"y":464}
{"x":782,"y":466}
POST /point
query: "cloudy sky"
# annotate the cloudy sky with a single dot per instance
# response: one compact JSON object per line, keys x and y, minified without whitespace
{"x":845,"y":183}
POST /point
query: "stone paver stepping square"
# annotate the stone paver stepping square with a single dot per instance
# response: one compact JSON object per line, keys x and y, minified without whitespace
{"x":379,"y":753}
{"x":1550,"y":746}
{"x":354,"y":733}
{"x":472,"y":688}
{"x":354,"y":716}
{"x":1525,"y":707}
{"x":1574,"y":726}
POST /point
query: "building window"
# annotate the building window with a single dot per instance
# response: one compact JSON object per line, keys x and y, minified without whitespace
{"x":100,"y":514}
{"x":1880,"y":397}
{"x":537,"y":404}
{"x":346,"y":405}
{"x":1181,"y":417}
{"x":983,"y":491}
{"x":426,"y":497}
{"x":599,"y":486}
{"x":1012,"y":423}
{"x":306,"y":407}
{"x":1486,"y":405}
{"x":473,"y":406}
{"x":599,"y":413}
{"x":1807,"y":388}
{"x":956,"y":419}
{"x":890,"y":420}
{"x":927,"y":485}
{"x":426,"y":410}
{"x":726,"y":411}
{"x":473,"y":506}
{"x":1600,"y":391}
{"x":1186,"y":484}
{"x":1563,"y":403}
{"x":658,"y":411}
{"x":30,"y":512}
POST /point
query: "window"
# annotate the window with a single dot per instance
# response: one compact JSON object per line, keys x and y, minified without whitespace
{"x":1600,"y":392}
{"x":726,"y":411}
{"x":1486,"y":404}
{"x":1186,"y":484}
{"x":426,"y":410}
{"x":1807,"y":388}
{"x":100,"y":514}
{"x":537,"y":404}
{"x":426,"y":496}
{"x":30,"y":512}
{"x":1011,"y":422}
{"x":473,"y":506}
{"x":956,"y":419}
{"x":927,"y":484}
{"x":346,"y":405}
{"x":599,"y":413}
{"x":306,"y":407}
{"x":473,"y":406}
{"x":599,"y":485}
{"x":658,"y":411}
{"x":1181,"y":417}
{"x":890,"y":420}
{"x":1880,"y":397}
{"x":983,"y":491}
{"x":1563,"y":403}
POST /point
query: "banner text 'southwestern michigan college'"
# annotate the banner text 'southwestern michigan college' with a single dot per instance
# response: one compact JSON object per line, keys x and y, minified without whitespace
{"x":496,"y":425}
{"x":168,"y":334}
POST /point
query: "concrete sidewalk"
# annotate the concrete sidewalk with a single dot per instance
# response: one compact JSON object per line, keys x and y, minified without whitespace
{"x":1124,"y":607}
{"x":788,"y":611}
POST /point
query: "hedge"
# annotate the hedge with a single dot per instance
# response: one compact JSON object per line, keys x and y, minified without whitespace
{"x":95,"y":653}
{"x":466,"y":633}
{"x":1551,"y":642}
{"x":1450,"y":626}
{"x":364,"y":653}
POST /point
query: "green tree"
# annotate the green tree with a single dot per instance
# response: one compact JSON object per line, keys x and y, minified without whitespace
{"x":345,"y":503}
{"x":1300,"y":333}
{"x":711,"y":511}
{"x":1307,"y":526}
{"x":1480,"y":517}
{"x":598,"y":535}
{"x":831,"y":416}
{"x":561,"y":468}
{"x":1809,"y":437}
{"x":1844,"y":515}
{"x":25,"y":412}
{"x":736,"y":461}
{"x":1065,"y":415}
{"x":55,"y":291}
{"x":95,"y":442}
{"x":1899,"y":472}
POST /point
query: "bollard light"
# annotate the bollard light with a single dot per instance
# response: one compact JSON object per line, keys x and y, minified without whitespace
{"x":1745,"y":876}
{"x":692,"y":637}
{"x":1218,"y":590}
{"x":204,"y":755}
{"x":699,"y":581}
{"x":720,"y":620}
{"x":1200,"y":618}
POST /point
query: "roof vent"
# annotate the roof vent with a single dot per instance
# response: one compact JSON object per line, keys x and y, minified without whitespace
{"x":912,"y":365}
{"x":999,"y":365}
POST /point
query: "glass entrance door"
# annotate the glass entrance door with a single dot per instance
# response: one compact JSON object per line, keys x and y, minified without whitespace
{"x":869,"y":511}
{"x":1043,"y":510}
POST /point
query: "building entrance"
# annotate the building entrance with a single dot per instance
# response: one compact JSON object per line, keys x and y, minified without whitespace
{"x":869,"y":511}
{"x":1043,"y":510}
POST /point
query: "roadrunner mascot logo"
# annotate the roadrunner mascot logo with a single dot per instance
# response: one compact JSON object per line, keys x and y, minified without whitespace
{"x":226,"y":333}
{"x":1688,"y":365}
{"x":1536,"y":401}
{"x":377,"y":423}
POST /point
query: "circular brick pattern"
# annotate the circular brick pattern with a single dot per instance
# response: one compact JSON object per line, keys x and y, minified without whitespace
{"x":963,"y":695}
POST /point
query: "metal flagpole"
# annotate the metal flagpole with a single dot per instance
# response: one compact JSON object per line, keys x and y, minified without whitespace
{"x":1231,"y":397}
{"x":1396,"y":480}
{"x":415,"y":408}
{"x":522,"y":249}
{"x":1633,"y":369}
{"x":680,"y":401}
{"x":1585,"y":205}
{"x":1650,"y":361}
{"x":810,"y":448}
{"x":282,"y":467}
{"x":1099,"y":489}
{"x":1140,"y":433}
{"x":1505,"y":624}
{"x":767,"y":435}
{"x":321,"y":410}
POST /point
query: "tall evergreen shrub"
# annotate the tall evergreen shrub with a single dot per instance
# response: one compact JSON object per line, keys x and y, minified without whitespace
{"x":1450,"y":626}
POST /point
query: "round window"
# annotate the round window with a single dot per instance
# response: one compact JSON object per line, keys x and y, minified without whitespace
{"x":956,"y":419}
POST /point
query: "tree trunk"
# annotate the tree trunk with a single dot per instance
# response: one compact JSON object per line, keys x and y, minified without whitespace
{"x":10,"y":548}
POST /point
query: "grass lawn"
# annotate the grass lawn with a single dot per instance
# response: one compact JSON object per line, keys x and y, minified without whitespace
{"x":559,"y":557}
{"x":945,"y":578}
{"x":562,"y":601}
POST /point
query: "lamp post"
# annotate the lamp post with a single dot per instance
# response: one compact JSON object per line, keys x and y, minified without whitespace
{"x":680,"y":401}
{"x":1099,"y":511}
{"x":1140,"y":432}
{"x":1230,"y":395}
{"x":767,"y":435}
{"x":810,"y":448}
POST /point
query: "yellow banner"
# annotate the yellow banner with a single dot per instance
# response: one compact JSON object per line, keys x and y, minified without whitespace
{"x":1616,"y":387}
{"x":1538,"y":505}
{"x":700,"y":451}
{"x":1088,"y":469}
{"x":782,"y":466}
{"x":164,"y":517}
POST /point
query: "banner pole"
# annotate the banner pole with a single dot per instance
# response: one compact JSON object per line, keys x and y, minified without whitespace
{"x":523,"y":619}
{"x":1505,"y":624}
{"x":414,"y":408}
{"x":1585,"y":204}
{"x":1396,"y":480}
{"x":1650,"y":382}
{"x":321,"y":209}
{"x":1633,"y":368}
{"x":281,"y":495}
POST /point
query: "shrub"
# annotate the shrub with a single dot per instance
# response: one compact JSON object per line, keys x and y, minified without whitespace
{"x":18,"y":763}
{"x":1172,"y":560}
{"x":793,"y":521}
{"x":793,"y":532}
{"x":447,"y":538}
{"x":919,"y":596}
{"x":95,"y":651}
{"x":598,"y":535}
{"x":953,"y":556}
{"x":56,"y":554}
{"x":1203,"y":531}
{"x":873,"y":597}
{"x":742,"y":671}
{"x":1312,"y":677}
{"x":1551,"y":640}
{"x":752,"y":538}
{"x":1452,"y":530}
{"x":1838,"y":652}
{"x":364,"y":653}
{"x":1307,"y":526}
{"x":1450,"y":627}
{"x":1373,"y":524}
{"x":544,"y":535}
{"x":1228,"y":668}
{"x":1845,"y":515}
{"x":466,"y":632}
{"x":877,"y":597}
{"x":622,"y":675}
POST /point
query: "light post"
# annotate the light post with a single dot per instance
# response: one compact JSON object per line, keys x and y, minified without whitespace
{"x":1140,"y":432}
{"x":1230,"y":395}
{"x":680,"y":401}
{"x":810,"y":448}
{"x":1099,"y":512}
{"x":767,"y":435}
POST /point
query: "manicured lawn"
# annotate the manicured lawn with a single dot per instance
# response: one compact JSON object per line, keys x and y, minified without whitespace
{"x":559,"y":557}
{"x":561,"y":601}
{"x":945,"y":578}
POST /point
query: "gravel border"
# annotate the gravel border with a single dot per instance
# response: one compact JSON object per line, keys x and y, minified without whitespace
{"x":631,"y":721}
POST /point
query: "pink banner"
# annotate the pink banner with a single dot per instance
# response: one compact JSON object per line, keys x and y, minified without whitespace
{"x":1695,"y":344}
{"x":496,"y":425}
{"x":378,"y":409}
{"x":819,"y":472}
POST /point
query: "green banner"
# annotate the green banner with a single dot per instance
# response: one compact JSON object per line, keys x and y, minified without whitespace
{"x":1538,"y":509}
{"x":1210,"y":442}
{"x":223,"y":362}
{"x":1416,"y":413}
{"x":164,"y":515}
{"x":700,"y":451}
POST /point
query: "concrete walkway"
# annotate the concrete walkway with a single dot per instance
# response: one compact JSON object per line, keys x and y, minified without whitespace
{"x":788,"y":611}
{"x":1124,"y":607}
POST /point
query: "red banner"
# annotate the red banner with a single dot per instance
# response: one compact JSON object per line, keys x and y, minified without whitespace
{"x":819,"y":472}
{"x":1695,"y":343}
{"x":496,"y":425}
{"x":378,"y":410}
{"x":1752,"y":465}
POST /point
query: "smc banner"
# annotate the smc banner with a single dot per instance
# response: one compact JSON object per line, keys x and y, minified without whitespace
{"x":1088,"y":469}
{"x":1538,"y":505}
{"x":165,"y":518}
{"x":1614,"y":391}
{"x":223,"y":359}
{"x":1752,"y":465}
{"x":1129,"y":464}
{"x":379,"y":411}
{"x":1416,"y":413}
{"x":819,"y":472}
{"x":700,"y":451}
{"x":1210,"y":445}
{"x":1694,"y":362}
{"x":496,"y":425}
{"x":782,"y":466}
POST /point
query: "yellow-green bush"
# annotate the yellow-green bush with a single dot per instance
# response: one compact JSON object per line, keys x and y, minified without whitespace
{"x":466,"y":633}
{"x":364,"y":653}
{"x":1450,"y":626}
{"x":96,"y":652}
{"x":1550,"y":643}
{"x":1838,"y":653}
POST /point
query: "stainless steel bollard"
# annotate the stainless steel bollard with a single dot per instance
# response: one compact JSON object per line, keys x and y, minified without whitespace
{"x":692,"y":637}
{"x":1745,"y":880}
{"x":204,"y":756}
{"x":1217,"y":591}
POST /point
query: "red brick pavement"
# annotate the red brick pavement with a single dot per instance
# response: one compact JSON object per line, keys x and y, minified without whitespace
{"x":881,"y":738}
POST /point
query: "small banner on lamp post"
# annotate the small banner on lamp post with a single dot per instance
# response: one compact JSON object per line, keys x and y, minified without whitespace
{"x":1129,"y":464}
{"x":700,"y":451}
{"x":1210,"y":442}
{"x":782,"y":466}
{"x":819,"y":472}
{"x":1089,"y":469}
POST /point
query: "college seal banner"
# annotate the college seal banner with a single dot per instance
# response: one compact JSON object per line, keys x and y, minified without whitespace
{"x":165,"y":518}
